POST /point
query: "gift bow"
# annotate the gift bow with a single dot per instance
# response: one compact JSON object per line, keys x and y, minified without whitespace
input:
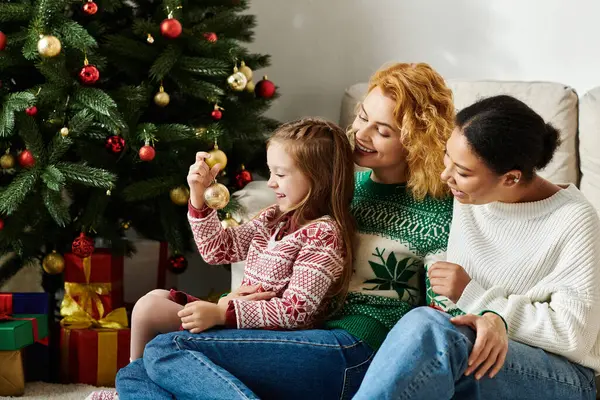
{"x":88,"y":295}
{"x":75,"y":317}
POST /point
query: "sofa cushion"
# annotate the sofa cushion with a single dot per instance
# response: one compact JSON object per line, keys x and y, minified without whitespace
{"x":555,"y":102}
{"x":589,"y":143}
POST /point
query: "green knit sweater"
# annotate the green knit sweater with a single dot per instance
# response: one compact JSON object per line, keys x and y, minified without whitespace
{"x":397,"y":237}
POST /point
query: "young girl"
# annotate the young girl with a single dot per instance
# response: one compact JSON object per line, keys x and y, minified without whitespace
{"x":298,"y":251}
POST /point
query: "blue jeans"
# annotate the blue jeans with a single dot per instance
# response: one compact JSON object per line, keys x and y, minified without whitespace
{"x":248,"y":364}
{"x":425,"y":357}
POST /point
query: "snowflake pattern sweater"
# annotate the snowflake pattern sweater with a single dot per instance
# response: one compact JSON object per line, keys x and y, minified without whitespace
{"x":397,"y":237}
{"x":301,"y":267}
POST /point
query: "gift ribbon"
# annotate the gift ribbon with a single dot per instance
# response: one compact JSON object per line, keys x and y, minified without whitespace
{"x":6,"y":303}
{"x":34,"y":326}
{"x":75,"y":317}
{"x":87,"y":295}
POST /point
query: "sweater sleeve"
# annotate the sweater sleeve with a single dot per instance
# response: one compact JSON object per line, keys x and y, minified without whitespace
{"x":318,"y":266}
{"x":218,"y":245}
{"x":567,"y":323}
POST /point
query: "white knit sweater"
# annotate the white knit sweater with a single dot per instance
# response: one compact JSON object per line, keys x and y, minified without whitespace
{"x":538,"y":265}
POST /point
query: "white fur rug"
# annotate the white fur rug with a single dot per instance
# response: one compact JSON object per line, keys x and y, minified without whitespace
{"x":52,"y":391}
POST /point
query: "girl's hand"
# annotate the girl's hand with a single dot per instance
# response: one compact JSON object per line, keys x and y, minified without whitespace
{"x":448,"y":280}
{"x":200,"y":176}
{"x":245,"y":292}
{"x":199,"y":316}
{"x":491,"y":343}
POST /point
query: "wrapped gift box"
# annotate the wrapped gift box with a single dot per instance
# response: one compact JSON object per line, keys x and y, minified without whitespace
{"x":93,"y":356}
{"x":95,"y":282}
{"x":21,"y":330}
{"x":12,"y":378}
{"x":24,"y":303}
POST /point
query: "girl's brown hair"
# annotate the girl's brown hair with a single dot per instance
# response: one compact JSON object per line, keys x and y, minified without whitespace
{"x":424,"y":114}
{"x":321,"y":150}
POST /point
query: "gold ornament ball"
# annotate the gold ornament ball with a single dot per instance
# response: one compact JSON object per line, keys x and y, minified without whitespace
{"x":7,"y":161}
{"x":217,"y":157}
{"x":237,"y":81}
{"x":64,"y":132}
{"x":244,"y":69}
{"x":250,"y":87}
{"x":162,"y":99}
{"x":49,"y":46}
{"x":216,"y":196}
{"x":229,"y":222}
{"x":53,"y":263}
{"x":180,"y":195}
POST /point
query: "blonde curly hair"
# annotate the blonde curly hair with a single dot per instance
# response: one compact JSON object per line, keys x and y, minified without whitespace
{"x":425,"y":115}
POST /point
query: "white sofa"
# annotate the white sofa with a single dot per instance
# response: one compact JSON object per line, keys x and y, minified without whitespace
{"x":577,"y":117}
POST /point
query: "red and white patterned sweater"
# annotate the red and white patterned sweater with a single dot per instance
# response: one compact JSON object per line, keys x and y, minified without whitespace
{"x":301,"y":268}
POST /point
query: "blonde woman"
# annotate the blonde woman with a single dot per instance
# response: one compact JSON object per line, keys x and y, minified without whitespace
{"x":403,"y":215}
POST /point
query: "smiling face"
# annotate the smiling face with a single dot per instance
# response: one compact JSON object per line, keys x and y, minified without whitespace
{"x":469,"y":178}
{"x":288,"y":182}
{"x":378,"y":143}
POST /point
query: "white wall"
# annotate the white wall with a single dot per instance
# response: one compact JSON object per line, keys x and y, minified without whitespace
{"x":319,"y":47}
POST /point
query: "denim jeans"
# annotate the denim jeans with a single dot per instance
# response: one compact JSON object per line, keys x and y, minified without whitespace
{"x":425,"y":357}
{"x":248,"y":364}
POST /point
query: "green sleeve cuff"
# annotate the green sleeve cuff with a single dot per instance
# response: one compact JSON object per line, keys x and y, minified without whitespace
{"x":494,"y":312}
{"x":226,"y":293}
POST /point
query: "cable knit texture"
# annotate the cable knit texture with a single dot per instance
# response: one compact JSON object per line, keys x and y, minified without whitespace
{"x":301,"y":268}
{"x":537,"y":265}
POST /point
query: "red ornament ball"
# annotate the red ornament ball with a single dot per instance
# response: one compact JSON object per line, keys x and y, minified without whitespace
{"x":177,"y":264}
{"x":243,"y":178}
{"x":170,"y":28}
{"x":1,"y":224}
{"x":26,"y":159}
{"x":2,"y":41}
{"x":89,"y":75}
{"x":115,"y":143}
{"x":31,"y":111}
{"x":83,"y":246}
{"x":147,"y":153}
{"x":210,"y":37}
{"x":216,"y":115}
{"x":265,"y":88}
{"x":90,"y":8}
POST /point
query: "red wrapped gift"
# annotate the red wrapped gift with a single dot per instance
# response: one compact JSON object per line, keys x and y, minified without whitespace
{"x":93,"y":356}
{"x":95,"y":282}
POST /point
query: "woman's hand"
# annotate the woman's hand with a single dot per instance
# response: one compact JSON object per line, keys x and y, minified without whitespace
{"x":491,"y":343}
{"x":448,"y":280}
{"x":200,"y":176}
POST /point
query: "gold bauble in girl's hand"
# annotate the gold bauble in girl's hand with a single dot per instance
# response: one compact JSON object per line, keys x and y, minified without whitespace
{"x":216,"y":157}
{"x":250,"y":87}
{"x":216,"y":196}
{"x":244,"y":69}
{"x":53,"y":263}
{"x":229,"y":222}
{"x":180,"y":195}
{"x":237,"y":81}
{"x":48,"y":46}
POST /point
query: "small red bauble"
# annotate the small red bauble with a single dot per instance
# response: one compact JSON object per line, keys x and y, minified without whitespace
{"x":115,"y":143}
{"x":1,"y":224}
{"x":265,"y":88}
{"x":170,"y":28}
{"x":89,"y":75}
{"x":210,"y":37}
{"x":177,"y":264}
{"x":31,"y":111}
{"x":26,"y":159}
{"x":147,"y":153}
{"x":83,"y":246}
{"x":216,"y":115}
{"x":2,"y":41}
{"x":90,"y":8}
{"x":243,"y":178}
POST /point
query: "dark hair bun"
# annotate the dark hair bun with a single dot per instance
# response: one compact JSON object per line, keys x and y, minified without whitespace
{"x":551,"y":142}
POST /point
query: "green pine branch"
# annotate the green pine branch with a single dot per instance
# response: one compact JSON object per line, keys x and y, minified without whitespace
{"x":165,"y":62}
{"x":171,"y":225}
{"x":81,"y":121}
{"x":53,"y":178}
{"x":95,"y":99}
{"x":15,"y":12}
{"x":58,"y":148}
{"x":28,"y":130}
{"x":56,"y":206}
{"x":175,"y":132}
{"x":146,"y":132}
{"x":75,"y":36}
{"x":151,"y":188}
{"x":122,"y":46}
{"x":86,"y":175}
{"x":204,"y":66}
{"x":195,"y":88}
{"x":94,"y":210}
{"x":55,"y":71}
{"x":12,"y":103}
{"x":14,"y":194}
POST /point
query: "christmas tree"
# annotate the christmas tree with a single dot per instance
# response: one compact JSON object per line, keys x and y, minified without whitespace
{"x":104,"y":105}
